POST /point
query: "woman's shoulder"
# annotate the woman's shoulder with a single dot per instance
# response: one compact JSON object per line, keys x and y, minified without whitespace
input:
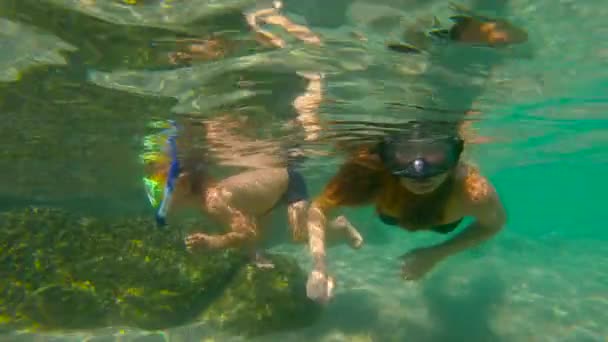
{"x":479,"y":198}
{"x":474,"y":187}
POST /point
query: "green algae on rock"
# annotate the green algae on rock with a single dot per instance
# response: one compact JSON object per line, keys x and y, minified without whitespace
{"x":64,"y":306}
{"x":64,"y":272}
{"x":260,"y":301}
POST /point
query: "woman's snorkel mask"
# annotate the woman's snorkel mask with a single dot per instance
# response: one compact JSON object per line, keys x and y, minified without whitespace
{"x":419,"y":154}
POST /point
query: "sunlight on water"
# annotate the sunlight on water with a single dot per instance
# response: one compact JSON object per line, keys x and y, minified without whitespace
{"x":87,"y":87}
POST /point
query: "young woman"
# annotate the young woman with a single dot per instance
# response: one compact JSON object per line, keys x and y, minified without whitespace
{"x":416,"y":181}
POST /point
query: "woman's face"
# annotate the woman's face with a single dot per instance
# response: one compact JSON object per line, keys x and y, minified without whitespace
{"x":424,"y":185}
{"x":422,"y":165}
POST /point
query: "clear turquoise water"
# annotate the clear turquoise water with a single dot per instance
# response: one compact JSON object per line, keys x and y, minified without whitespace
{"x":72,"y":101}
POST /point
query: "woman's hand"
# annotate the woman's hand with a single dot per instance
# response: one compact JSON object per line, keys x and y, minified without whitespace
{"x":320,"y":286}
{"x":197,"y":242}
{"x":418,"y":262}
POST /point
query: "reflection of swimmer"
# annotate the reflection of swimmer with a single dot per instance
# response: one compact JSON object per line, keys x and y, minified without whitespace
{"x":417,"y":181}
{"x":273,"y":16}
{"x":217,"y":47}
{"x":307,"y":103}
{"x":468,"y":28}
{"x":242,"y":203}
{"x":202,"y":50}
{"x":482,"y":31}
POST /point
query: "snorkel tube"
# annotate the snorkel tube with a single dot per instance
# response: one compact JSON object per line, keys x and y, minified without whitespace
{"x":160,"y":200}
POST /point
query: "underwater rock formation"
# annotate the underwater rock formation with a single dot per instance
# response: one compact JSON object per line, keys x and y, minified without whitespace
{"x":256,"y":300}
{"x":63,"y":272}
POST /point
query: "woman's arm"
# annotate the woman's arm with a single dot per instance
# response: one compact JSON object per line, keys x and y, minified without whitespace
{"x":490,"y":217}
{"x":355,"y":184}
{"x":482,"y":202}
{"x":317,"y":225}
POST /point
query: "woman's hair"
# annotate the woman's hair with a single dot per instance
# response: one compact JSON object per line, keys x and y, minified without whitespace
{"x":356,"y":182}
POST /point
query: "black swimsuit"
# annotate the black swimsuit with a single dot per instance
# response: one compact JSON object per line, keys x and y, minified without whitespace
{"x":296,"y":187}
{"x":443,"y":229}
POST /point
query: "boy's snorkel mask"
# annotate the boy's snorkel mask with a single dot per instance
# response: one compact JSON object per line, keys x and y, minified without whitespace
{"x":419,"y":153}
{"x":161,"y":150}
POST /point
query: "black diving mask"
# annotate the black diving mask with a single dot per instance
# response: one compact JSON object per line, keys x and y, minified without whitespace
{"x":421,"y":158}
